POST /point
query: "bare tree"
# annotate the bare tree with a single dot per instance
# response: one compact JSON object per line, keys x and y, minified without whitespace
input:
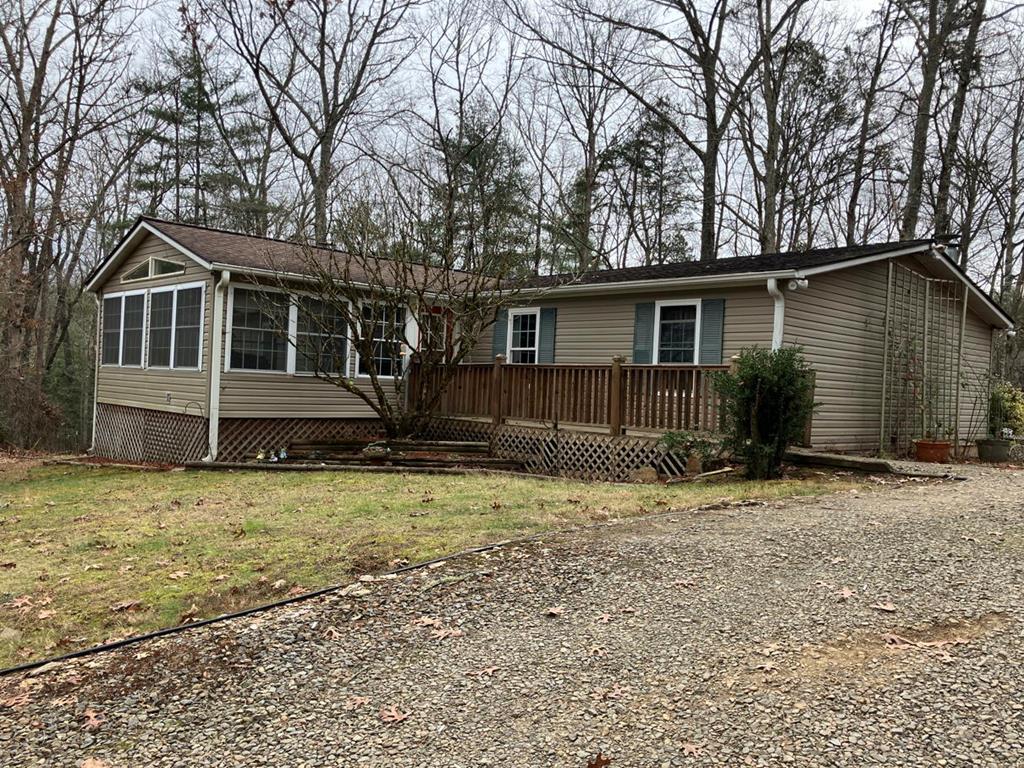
{"x":321,"y":68}
{"x":63,"y":89}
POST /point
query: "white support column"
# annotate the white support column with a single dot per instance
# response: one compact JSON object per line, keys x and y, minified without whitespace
{"x":216,"y":366}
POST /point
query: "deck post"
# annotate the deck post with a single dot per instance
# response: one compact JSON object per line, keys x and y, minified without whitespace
{"x":496,"y":387}
{"x":615,"y":401}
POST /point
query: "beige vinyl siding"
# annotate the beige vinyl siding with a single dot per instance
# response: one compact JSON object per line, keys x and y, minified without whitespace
{"x":595,"y":328}
{"x":269,"y":395}
{"x":159,"y":389}
{"x":839,"y":320}
{"x":977,"y":362}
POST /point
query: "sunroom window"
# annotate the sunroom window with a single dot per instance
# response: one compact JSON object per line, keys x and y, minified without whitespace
{"x":386,"y":326}
{"x":259,"y":324}
{"x":175,"y":327}
{"x":677,"y":333}
{"x":319,"y":337}
{"x":123,"y":323}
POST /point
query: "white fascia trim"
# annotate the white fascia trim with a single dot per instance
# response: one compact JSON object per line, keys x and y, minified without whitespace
{"x":114,"y":260}
{"x":835,"y":266}
{"x":925,"y":248}
{"x":630,"y":286}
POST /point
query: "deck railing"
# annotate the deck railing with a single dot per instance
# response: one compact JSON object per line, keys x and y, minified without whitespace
{"x":617,"y":396}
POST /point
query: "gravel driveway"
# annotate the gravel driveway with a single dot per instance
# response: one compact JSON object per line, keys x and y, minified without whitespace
{"x":877,"y":628}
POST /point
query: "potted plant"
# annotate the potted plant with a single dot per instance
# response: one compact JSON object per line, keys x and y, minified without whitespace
{"x":935,"y":445}
{"x":1001,"y":405}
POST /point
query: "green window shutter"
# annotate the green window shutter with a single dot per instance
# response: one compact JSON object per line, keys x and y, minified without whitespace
{"x":546,"y":341}
{"x":643,"y":333}
{"x":499,"y":345}
{"x":712,"y":325}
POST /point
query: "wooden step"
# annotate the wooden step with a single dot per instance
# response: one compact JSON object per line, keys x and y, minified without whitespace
{"x":356,"y":461}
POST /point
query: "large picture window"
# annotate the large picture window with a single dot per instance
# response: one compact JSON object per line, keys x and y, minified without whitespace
{"x":320,"y":332}
{"x":259,"y":326}
{"x":677,"y":333}
{"x":522,"y":336}
{"x":386,"y":326}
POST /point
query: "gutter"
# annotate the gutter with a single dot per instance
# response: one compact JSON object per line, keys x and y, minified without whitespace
{"x":216,"y":366}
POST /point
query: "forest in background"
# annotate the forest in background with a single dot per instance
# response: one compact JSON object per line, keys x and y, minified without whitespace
{"x":572,"y":135}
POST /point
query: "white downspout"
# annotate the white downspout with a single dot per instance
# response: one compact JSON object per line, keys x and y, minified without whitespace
{"x":779,"y":316}
{"x":216,"y":353}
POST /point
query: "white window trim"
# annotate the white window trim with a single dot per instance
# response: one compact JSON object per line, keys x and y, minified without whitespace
{"x":120,"y":329}
{"x":656,"y":353}
{"x":409,"y":334}
{"x":513,"y":313}
{"x":293,"y":325}
{"x":151,"y":270}
{"x":174,"y":325}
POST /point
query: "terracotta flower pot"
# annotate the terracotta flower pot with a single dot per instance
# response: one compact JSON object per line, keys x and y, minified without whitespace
{"x":936,"y":451}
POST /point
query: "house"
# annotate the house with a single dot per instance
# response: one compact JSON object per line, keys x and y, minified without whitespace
{"x":900,"y":339}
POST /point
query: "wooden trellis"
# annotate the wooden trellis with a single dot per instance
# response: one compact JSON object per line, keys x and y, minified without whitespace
{"x":925,"y":319}
{"x":564,"y":452}
{"x":142,"y":434}
{"x":241,"y":439}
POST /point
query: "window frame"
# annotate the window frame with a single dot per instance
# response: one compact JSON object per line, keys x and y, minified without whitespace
{"x":658,"y":306}
{"x":293,"y":338}
{"x":293,"y":325}
{"x":151,"y":271}
{"x":512,"y":314}
{"x":408,"y":342}
{"x":120,"y":328}
{"x":173,"y":366}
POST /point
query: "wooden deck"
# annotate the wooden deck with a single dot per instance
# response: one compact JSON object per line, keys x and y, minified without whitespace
{"x":616,"y":396}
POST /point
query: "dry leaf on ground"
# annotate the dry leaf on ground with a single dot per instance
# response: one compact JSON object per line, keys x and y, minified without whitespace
{"x":393,"y":715}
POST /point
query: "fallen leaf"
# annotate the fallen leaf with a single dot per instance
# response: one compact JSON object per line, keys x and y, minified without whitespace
{"x":885,"y":607}
{"x":394,"y":715}
{"x":8,"y":566}
{"x":332,"y":633}
{"x":177,"y":575}
{"x":604,"y":618}
{"x":691,"y":750}
{"x":768,"y":667}
{"x":845,"y":594}
{"x":93,"y":719}
{"x":445,"y":632}
{"x":18,"y":700}
{"x":21,"y":603}
{"x":44,"y":615}
{"x":601,"y":761}
{"x":127,"y":605}
{"x":221,"y":577}
{"x":93,"y":762}
{"x":597,"y":650}
{"x":483,"y":672}
{"x":555,"y":610}
{"x":355,"y":702}
{"x":495,"y":504}
{"x":428,"y":621}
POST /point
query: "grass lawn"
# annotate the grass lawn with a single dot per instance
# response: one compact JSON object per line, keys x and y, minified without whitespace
{"x":88,"y":554}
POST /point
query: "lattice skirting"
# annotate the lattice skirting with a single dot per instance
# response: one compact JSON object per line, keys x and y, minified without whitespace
{"x":581,"y":455}
{"x":141,"y":434}
{"x":241,"y":439}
